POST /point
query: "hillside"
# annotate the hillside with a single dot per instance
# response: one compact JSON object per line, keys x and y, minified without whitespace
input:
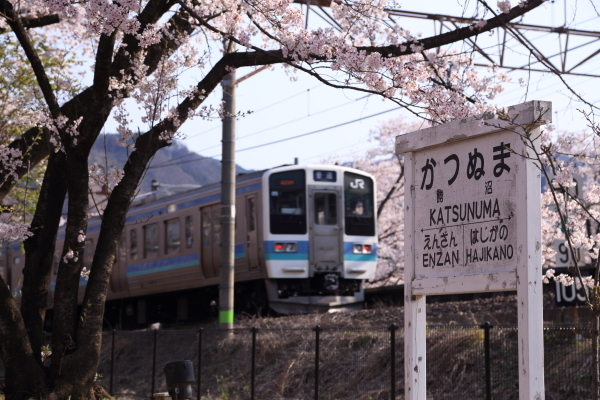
{"x":107,"y":153}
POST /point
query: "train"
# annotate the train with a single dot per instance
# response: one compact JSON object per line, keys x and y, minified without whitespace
{"x":306,"y":241}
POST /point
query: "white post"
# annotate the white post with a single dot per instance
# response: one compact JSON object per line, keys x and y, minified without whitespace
{"x":529,"y":287}
{"x":415,"y":375}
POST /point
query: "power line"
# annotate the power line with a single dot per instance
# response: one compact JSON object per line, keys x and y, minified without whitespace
{"x":306,"y":116}
{"x":283,"y":140}
{"x":272,"y":127}
{"x":254,"y":112}
{"x":261,"y":109}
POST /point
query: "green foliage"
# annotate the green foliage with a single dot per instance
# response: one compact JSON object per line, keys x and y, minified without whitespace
{"x":22,"y":107}
{"x":223,"y":387}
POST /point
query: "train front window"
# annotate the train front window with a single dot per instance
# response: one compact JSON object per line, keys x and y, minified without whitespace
{"x":325,"y":209}
{"x":359,"y":210}
{"x":287,"y":193}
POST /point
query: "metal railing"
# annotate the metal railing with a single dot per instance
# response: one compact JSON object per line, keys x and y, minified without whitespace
{"x":466,"y":362}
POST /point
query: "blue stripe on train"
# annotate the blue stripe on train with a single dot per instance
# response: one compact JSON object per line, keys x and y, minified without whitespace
{"x":240,"y":251}
{"x":350,"y":256}
{"x":168,"y":264}
{"x":270,"y":253}
{"x":303,"y":250}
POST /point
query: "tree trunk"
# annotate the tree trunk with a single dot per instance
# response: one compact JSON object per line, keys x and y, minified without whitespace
{"x":39,"y":249}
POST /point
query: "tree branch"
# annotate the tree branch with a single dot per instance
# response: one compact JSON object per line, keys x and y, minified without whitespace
{"x":388,"y":196}
{"x":454,"y":36}
{"x":15,"y":23}
{"x":37,"y":22}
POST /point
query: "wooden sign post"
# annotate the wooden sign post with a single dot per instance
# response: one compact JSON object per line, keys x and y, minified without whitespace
{"x":473,"y":224}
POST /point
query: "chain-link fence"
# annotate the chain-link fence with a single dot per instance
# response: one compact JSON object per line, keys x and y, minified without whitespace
{"x":466,"y":362}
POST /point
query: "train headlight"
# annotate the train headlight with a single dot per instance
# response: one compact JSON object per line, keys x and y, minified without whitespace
{"x":362,"y":248}
{"x":291,"y":247}
{"x":286,"y":247}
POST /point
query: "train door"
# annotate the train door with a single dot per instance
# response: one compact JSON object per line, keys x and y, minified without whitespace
{"x":325,"y":233}
{"x":252,"y":233}
{"x":211,"y":240}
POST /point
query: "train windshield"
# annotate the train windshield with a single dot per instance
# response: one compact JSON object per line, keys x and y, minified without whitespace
{"x":358,"y":205}
{"x":287,"y":193}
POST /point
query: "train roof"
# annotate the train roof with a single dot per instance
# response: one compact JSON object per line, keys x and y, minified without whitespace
{"x":156,"y":202}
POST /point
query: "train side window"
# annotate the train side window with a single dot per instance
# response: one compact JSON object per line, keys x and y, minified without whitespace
{"x":216,"y":227}
{"x":151,"y":241}
{"x":123,"y":248}
{"x":206,"y":231}
{"x":251,"y":215}
{"x":325,"y":209}
{"x":189,"y":231}
{"x":133,"y":244}
{"x":56,"y":262}
{"x":172,"y":236}
{"x":88,"y":253}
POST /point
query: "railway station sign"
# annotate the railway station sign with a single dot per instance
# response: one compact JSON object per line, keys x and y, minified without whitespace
{"x":465,"y":202}
{"x":473,"y":224}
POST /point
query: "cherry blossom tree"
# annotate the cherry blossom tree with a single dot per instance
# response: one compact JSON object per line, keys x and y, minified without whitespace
{"x":571,"y":213}
{"x":138,"y":53}
{"x":568,"y":164}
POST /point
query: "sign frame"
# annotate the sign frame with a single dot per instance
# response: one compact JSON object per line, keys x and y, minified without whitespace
{"x":525,"y":277}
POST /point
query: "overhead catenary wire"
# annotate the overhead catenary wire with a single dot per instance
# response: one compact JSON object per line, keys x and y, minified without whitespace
{"x":272,"y":127}
{"x":259,"y":110}
{"x":282,"y":140}
{"x":253,"y":113}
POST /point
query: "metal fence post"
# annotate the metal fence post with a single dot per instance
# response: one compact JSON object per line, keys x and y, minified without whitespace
{"x":154,"y":362}
{"x":317,"y":331}
{"x":488,"y":376}
{"x":254,"y":330}
{"x":200,"y":332}
{"x":112,"y":362}
{"x":393,"y":328}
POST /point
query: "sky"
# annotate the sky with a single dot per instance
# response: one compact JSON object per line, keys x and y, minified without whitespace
{"x":334,"y":124}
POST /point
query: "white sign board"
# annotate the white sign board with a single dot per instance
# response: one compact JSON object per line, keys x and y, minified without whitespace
{"x":473,"y":224}
{"x":465,"y":204}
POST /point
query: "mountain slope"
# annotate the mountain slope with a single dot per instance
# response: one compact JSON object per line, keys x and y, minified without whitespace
{"x":107,"y":153}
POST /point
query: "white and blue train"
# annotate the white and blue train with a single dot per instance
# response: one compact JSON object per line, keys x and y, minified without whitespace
{"x":306,"y":239}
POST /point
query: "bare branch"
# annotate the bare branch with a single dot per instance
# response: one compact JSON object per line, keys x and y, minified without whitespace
{"x":37,"y":22}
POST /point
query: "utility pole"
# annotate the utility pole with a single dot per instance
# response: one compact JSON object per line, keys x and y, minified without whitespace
{"x":227,"y":259}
